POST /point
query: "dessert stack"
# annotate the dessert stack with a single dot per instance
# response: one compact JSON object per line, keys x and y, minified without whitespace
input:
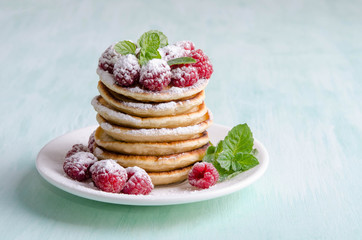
{"x":151,"y":110}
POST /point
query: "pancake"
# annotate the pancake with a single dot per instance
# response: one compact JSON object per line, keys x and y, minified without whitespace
{"x":196,"y":115}
{"x":154,"y":163}
{"x":148,"y":148}
{"x":126,"y":134}
{"x":148,"y":109}
{"x":162,"y":178}
{"x":168,"y":94}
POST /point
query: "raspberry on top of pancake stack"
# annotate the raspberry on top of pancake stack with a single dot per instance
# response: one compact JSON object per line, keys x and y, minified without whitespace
{"x":151,"y":109}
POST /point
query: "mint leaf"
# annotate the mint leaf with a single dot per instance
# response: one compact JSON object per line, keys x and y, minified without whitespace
{"x":211,"y":150}
{"x":245,"y":161}
{"x":147,"y":54}
{"x":226,"y":160}
{"x":181,"y":60}
{"x":234,"y":154}
{"x":210,"y":156}
{"x":162,"y":38}
{"x":125,"y":47}
{"x":149,"y":40}
{"x":223,"y":174}
{"x":239,"y":139}
{"x":149,"y":43}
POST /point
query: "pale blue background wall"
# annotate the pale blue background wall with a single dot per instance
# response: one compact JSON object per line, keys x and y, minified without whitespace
{"x":290,"y":69}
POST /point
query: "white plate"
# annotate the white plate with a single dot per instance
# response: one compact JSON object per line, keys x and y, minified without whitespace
{"x":50,"y":166}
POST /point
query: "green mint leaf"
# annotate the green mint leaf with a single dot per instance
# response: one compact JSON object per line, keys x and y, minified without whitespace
{"x":219,"y":148}
{"x":210,"y":156}
{"x":162,"y":37}
{"x":149,"y":40}
{"x":149,"y":43}
{"x":245,"y":161}
{"x":239,"y":162}
{"x":211,"y":150}
{"x":181,"y":60}
{"x":234,"y":154}
{"x":225,"y":159}
{"x":223,"y":174}
{"x":147,"y":54}
{"x":125,"y":47}
{"x":212,"y":153}
{"x":239,"y":139}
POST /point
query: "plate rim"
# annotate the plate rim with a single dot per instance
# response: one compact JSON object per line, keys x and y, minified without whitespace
{"x":151,"y":200}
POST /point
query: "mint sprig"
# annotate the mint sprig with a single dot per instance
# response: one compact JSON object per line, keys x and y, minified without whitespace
{"x":181,"y":60}
{"x":149,"y":43}
{"x":125,"y":47}
{"x":234,"y":154}
{"x":162,"y":37}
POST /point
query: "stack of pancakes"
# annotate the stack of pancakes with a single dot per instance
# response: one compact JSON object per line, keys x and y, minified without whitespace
{"x":162,"y":132}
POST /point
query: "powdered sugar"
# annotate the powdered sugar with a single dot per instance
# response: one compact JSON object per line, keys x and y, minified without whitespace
{"x":108,"y":58}
{"x":77,"y":165}
{"x":109,"y":81}
{"x":153,"y":106}
{"x":186,"y":44}
{"x":138,"y":172}
{"x":155,"y":66}
{"x":126,"y":70}
{"x":83,"y":157}
{"x":171,"y":51}
{"x":113,"y":113}
{"x":106,"y":166}
{"x":155,"y":131}
{"x":155,"y":75}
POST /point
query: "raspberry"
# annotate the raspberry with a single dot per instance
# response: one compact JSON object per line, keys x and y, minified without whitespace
{"x":108,"y":176}
{"x":126,"y":70}
{"x":77,"y":165}
{"x":184,"y":75}
{"x":108,"y":59}
{"x":203,"y":65}
{"x":155,"y":75}
{"x":139,"y":182}
{"x":171,"y":51}
{"x":76,"y":148}
{"x":203,"y":175}
{"x":187,"y":45}
{"x":92,"y":142}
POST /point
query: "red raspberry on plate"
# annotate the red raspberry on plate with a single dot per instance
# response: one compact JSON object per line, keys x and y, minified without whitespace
{"x":108,"y":176}
{"x":184,"y":75}
{"x":126,"y":71}
{"x":203,"y":175}
{"x":139,"y":182}
{"x":155,"y":75}
{"x":202,"y":64}
{"x":92,"y":142}
{"x":187,"y":45}
{"x":77,"y":165}
{"x":108,"y":59}
{"x":76,"y":148}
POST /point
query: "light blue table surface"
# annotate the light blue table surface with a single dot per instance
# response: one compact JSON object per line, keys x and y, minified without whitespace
{"x":292,"y":70}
